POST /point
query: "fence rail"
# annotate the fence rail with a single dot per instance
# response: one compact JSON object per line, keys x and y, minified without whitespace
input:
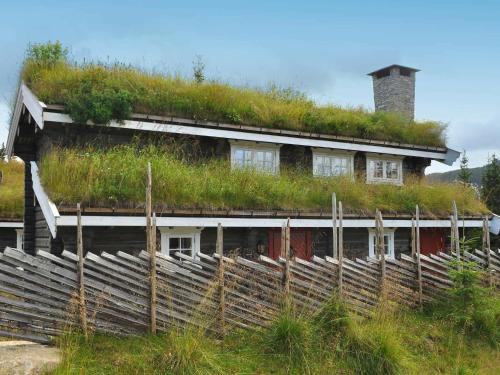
{"x":39,"y":295}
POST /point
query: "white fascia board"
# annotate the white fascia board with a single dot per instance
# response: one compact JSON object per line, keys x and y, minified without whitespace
{"x":49,"y":209}
{"x":230,"y":222}
{"x":11,"y":224}
{"x":25,"y":98}
{"x":255,"y":137}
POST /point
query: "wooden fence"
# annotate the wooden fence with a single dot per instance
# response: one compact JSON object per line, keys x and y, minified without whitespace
{"x":40,"y":295}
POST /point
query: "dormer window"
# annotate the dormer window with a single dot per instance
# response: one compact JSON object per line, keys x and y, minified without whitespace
{"x":382,"y":169}
{"x":329,"y":163}
{"x":260,"y":156}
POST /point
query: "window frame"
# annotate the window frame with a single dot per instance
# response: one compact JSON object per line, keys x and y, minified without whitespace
{"x":168,"y":233}
{"x":255,"y":147}
{"x":19,"y":238}
{"x":370,"y":179}
{"x":390,"y":232}
{"x":340,"y":154}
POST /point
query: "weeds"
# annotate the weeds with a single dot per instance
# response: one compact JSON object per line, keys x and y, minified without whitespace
{"x":101,"y":92}
{"x":115,"y":177}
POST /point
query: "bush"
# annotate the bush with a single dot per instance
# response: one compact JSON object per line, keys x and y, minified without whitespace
{"x":332,"y":319}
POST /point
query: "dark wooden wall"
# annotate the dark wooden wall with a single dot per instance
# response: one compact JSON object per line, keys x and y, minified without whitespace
{"x":8,"y":237}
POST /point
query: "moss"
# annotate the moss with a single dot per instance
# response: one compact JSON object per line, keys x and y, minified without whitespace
{"x":101,"y":92}
{"x":115,"y":177}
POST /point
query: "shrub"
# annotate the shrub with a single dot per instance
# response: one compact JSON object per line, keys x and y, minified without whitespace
{"x":332,"y":319}
{"x":11,"y":189}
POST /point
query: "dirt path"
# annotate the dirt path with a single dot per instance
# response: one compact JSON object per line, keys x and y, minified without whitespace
{"x":25,"y":357}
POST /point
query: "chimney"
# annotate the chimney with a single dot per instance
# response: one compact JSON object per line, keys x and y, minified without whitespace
{"x":394,"y":90}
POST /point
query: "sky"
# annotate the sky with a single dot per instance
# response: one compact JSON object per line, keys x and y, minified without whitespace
{"x":323,"y":48}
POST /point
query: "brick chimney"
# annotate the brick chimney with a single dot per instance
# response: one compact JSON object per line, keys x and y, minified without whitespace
{"x":394,"y":90}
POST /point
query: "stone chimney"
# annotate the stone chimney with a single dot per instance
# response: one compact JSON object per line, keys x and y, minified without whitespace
{"x":394,"y":90}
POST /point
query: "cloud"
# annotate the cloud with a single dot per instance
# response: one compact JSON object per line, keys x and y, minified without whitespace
{"x":476,"y":136}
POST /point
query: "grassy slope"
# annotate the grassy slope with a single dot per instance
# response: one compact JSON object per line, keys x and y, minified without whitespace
{"x":116,"y":178}
{"x":103,"y":92}
{"x":12,"y":190}
{"x":401,"y":343}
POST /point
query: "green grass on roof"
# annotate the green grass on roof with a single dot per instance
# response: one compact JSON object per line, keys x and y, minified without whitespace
{"x":116,"y":178}
{"x":101,"y":92}
{"x":12,"y":190}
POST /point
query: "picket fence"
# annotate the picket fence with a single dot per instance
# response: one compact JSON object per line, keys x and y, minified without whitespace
{"x":39,"y":294}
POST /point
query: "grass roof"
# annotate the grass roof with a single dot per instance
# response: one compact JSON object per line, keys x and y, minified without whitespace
{"x":12,"y":190}
{"x":116,"y":178}
{"x":101,"y":92}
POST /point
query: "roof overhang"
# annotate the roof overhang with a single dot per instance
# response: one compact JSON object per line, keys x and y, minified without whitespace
{"x":26,"y":100}
{"x":11,"y":224}
{"x":232,"y":222}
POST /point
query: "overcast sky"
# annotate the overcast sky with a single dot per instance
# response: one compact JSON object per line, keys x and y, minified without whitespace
{"x":324,"y":48}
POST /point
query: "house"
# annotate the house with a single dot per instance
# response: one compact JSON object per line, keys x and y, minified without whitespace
{"x":38,"y":127}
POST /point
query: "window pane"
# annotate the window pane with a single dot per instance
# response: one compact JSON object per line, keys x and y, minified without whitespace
{"x":186,"y":243}
{"x":392,"y":170}
{"x":387,"y":239}
{"x":174,"y":243}
{"x":378,"y":169}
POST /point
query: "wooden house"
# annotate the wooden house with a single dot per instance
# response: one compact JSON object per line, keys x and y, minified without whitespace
{"x":36,"y":127}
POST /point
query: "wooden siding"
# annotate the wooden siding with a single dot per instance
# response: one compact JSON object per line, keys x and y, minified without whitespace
{"x":8,"y":237}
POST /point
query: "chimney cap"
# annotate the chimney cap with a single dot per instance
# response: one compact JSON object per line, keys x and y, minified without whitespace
{"x":376,"y":72}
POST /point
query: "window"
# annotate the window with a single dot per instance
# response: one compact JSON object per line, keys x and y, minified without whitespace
{"x":263,"y":157}
{"x":19,"y":238}
{"x":385,"y":170}
{"x":185,"y":241}
{"x":328,"y":164}
{"x":388,"y":242}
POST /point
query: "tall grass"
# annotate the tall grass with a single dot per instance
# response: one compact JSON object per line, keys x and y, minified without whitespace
{"x":116,"y":177}
{"x":102,"y":92}
{"x":12,"y":189}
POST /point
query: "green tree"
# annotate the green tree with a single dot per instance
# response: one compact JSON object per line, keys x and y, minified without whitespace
{"x":46,"y":54}
{"x":465,"y":174}
{"x":490,"y":190}
{"x":198,"y":69}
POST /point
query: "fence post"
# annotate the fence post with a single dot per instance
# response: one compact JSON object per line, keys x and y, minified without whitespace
{"x":81,"y":282}
{"x":452,"y":234}
{"x":334,"y":225}
{"x":151,"y":249}
{"x":419,"y":264}
{"x":341,"y":248}
{"x":456,"y":234}
{"x":283,"y":240}
{"x":413,"y":247}
{"x":222,"y":297}
{"x":380,"y":245}
{"x":287,"y":261}
{"x":486,"y":248}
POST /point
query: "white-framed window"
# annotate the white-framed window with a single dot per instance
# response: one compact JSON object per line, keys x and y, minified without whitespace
{"x":184,"y":240}
{"x":327,"y":163}
{"x":261,"y":156}
{"x":382,"y":169}
{"x":388,"y":242}
{"x":19,"y":238}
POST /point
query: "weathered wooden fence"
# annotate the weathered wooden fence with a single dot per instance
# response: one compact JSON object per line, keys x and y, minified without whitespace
{"x":39,"y":295}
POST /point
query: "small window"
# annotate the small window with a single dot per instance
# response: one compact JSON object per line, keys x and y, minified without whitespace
{"x":259,"y":156}
{"x":185,"y":241}
{"x":405,"y":72}
{"x":384,"y":170}
{"x":388,"y":243}
{"x":331,"y":164}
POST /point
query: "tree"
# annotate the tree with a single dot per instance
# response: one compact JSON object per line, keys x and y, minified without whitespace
{"x":3,"y":152}
{"x":464,"y":174}
{"x":198,"y":69}
{"x":490,"y":191}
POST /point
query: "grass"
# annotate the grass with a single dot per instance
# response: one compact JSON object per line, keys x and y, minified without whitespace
{"x":116,"y":178}
{"x":12,"y":190}
{"x":395,"y":342}
{"x":101,"y":92}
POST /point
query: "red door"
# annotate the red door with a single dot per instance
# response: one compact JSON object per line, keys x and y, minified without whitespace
{"x":300,"y":243}
{"x":432,"y":240}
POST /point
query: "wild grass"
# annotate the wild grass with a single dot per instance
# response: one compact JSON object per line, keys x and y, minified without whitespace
{"x":11,"y":189}
{"x":101,"y":92}
{"x":116,"y":178}
{"x":390,"y":342}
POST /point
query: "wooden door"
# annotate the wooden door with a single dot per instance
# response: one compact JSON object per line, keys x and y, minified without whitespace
{"x":300,"y":243}
{"x":432,"y":240}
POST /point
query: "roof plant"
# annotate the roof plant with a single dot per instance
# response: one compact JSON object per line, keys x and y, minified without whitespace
{"x":104,"y":92}
{"x":115,"y":178}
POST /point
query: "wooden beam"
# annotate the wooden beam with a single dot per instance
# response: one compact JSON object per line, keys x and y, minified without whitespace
{"x":222,"y":297}
{"x":81,"y":281}
{"x":334,"y":227}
